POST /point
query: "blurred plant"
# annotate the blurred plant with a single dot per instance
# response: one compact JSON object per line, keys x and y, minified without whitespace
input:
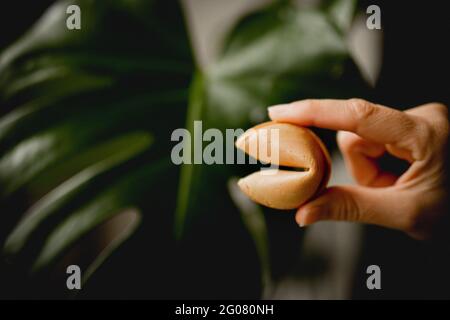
{"x":85,"y":135}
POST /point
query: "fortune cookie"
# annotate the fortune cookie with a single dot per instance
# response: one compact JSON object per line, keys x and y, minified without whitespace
{"x":304,"y":165}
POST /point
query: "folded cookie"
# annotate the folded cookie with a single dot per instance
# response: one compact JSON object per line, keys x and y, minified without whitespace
{"x":304,"y":165}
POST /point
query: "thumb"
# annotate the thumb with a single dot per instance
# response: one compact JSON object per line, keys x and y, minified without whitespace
{"x":382,"y":206}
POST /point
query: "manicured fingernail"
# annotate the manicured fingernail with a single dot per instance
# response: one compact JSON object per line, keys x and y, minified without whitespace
{"x":278,"y":110}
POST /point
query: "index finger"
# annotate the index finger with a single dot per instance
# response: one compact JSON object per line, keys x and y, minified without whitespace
{"x":368,"y":120}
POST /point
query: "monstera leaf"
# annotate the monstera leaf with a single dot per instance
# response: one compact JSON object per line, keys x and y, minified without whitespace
{"x":279,"y":54}
{"x":86,"y":120}
{"x":87,"y":117}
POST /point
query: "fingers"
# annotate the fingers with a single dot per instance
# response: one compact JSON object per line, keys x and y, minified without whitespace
{"x":436,"y":116}
{"x":370,"y":121}
{"x":360,"y":204}
{"x":430,"y":111}
{"x":416,"y":135}
{"x":359,"y":156}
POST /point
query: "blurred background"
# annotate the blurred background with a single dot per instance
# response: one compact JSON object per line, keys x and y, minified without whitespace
{"x":85,"y":123}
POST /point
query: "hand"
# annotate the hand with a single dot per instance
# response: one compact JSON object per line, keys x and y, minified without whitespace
{"x":413,"y":202}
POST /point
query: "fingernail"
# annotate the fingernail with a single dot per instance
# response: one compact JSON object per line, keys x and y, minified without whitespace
{"x":278,"y":110}
{"x":307,"y":216}
{"x":301,"y":217}
{"x":301,"y":225}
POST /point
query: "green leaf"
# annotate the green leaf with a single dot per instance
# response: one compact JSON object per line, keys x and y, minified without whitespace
{"x":276,"y":55}
{"x":79,"y":111}
{"x":86,"y":119}
{"x":106,"y":204}
{"x":111,"y":154}
{"x":342,"y":13}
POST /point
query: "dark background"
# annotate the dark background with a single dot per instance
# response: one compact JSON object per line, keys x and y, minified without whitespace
{"x":414,"y":71}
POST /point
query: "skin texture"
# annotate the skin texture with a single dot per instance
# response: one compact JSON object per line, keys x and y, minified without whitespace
{"x":413,"y":202}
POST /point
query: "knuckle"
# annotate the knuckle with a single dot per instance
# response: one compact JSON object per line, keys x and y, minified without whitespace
{"x":442,"y":123}
{"x":441,"y":109}
{"x":419,"y":140}
{"x":349,"y":209}
{"x":361,"y":109}
{"x":433,"y":138}
{"x":423,"y":133}
{"x":352,"y":208}
{"x":438,"y":117}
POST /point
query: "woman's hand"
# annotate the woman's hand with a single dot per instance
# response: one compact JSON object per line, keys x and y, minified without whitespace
{"x":413,"y":202}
